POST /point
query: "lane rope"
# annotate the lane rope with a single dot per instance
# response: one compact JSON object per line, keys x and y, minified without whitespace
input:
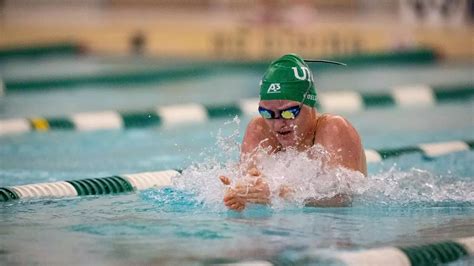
{"x":426,"y":254}
{"x":89,"y":186}
{"x":172,"y":115}
{"x":438,"y":253}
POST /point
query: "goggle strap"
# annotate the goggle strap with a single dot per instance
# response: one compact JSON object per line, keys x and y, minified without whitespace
{"x":324,"y":61}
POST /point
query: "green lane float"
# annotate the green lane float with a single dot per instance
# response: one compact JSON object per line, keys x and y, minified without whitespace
{"x":7,"y":194}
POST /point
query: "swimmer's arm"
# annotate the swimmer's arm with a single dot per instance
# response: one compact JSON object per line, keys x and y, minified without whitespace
{"x":257,"y":135}
{"x":340,"y":200}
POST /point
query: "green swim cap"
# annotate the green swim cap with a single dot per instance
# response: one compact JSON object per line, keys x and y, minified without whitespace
{"x":288,"y":78}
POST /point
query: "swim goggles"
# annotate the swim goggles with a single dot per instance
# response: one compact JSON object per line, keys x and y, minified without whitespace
{"x":289,"y":113}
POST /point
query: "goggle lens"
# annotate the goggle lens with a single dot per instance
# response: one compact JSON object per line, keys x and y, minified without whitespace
{"x":265,"y":113}
{"x":288,"y":114}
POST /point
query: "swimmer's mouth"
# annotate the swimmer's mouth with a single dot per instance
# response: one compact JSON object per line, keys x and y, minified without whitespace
{"x":284,"y":132}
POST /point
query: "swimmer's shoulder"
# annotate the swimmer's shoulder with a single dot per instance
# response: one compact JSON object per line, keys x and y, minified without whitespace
{"x":257,"y":134}
{"x":258,"y":125}
{"x":338,"y":133}
{"x":334,"y":126}
{"x":334,"y":122}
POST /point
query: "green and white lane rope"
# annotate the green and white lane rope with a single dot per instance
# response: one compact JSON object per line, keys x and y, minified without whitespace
{"x":408,"y":96}
{"x":420,"y":255}
{"x":400,"y":96}
{"x":89,"y":186}
{"x":139,"y":181}
{"x":428,"y":150}
{"x":428,"y":254}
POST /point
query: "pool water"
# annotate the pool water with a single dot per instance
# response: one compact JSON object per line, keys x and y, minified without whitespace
{"x":405,"y":200}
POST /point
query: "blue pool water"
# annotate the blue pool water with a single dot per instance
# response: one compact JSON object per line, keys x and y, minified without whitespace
{"x":405,"y":200}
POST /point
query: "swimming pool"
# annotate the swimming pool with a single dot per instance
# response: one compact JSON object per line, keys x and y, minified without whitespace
{"x":408,"y":199}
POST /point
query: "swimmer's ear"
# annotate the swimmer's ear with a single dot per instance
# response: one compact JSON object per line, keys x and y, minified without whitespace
{"x":225,"y":180}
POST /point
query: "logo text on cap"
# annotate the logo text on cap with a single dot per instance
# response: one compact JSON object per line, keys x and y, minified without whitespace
{"x":274,"y":88}
{"x":306,"y":73}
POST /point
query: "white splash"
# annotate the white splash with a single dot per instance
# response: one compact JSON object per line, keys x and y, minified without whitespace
{"x":396,"y":187}
{"x":307,"y":175}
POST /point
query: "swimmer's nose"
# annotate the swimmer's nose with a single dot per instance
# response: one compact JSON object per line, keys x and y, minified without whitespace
{"x":280,"y":123}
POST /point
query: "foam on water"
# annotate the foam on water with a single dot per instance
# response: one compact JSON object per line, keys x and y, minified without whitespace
{"x":308,"y":176}
{"x":414,"y":187}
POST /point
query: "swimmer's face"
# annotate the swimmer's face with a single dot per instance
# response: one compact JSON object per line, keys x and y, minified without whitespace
{"x":289,"y":132}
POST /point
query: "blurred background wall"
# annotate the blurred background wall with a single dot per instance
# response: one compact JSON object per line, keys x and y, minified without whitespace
{"x":241,"y":29}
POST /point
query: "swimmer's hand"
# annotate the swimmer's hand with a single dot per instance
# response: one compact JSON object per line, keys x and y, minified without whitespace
{"x":231,"y":199}
{"x":256,"y":191}
{"x":234,"y":201}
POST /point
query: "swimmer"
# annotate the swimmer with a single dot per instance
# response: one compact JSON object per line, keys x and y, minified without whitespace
{"x":289,"y":119}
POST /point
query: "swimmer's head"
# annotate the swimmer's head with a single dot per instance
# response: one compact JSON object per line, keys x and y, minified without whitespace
{"x":289,"y":78}
{"x":290,"y":128}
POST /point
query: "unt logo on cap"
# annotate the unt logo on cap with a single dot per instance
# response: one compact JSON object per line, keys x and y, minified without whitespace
{"x":306,"y":74}
{"x":274,"y":88}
